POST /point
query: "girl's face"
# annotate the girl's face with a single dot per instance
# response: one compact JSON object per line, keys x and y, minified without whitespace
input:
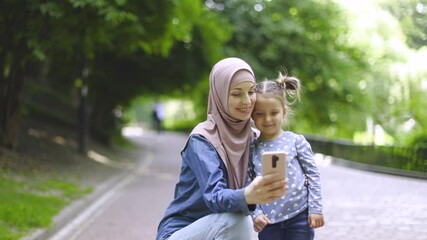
{"x":268,"y":116}
{"x":241,"y":100}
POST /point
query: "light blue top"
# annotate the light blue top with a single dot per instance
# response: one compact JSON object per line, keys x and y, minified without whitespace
{"x":300,"y":160}
{"x":202,"y":189}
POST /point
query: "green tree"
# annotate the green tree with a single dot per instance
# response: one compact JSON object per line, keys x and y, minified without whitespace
{"x":309,"y":40}
{"x":396,"y":74}
{"x":408,"y":73}
{"x":412,"y":15}
{"x":32,"y":31}
{"x":124,"y":76}
{"x":127,"y":47}
{"x":15,"y":55}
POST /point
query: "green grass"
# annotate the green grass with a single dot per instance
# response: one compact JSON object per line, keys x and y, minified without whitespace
{"x":31,"y":202}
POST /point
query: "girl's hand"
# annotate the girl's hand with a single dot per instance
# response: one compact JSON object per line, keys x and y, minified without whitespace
{"x":260,"y":222}
{"x":315,"y":220}
{"x":264,"y":189}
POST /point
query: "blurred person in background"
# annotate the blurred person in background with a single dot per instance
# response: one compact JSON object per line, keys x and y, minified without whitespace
{"x":158,"y":116}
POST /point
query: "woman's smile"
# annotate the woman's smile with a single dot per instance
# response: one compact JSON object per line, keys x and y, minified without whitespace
{"x":247,"y":110}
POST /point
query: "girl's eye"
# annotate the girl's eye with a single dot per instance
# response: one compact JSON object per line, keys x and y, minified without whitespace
{"x":251,"y":93}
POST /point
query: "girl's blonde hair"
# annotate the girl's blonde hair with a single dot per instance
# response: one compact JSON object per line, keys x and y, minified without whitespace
{"x":283,"y":88}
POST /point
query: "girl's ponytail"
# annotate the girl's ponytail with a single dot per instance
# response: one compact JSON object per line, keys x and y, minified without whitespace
{"x":290,"y":85}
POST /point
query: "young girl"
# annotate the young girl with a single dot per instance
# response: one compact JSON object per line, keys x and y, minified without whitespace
{"x":211,"y":200}
{"x":294,"y":215}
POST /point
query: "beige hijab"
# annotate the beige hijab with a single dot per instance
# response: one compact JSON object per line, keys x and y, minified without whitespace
{"x":229,"y":136}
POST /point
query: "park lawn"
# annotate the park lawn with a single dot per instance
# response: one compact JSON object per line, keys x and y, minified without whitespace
{"x":29,"y":202}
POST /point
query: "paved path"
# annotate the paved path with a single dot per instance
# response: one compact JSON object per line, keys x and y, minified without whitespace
{"x":357,"y":204}
{"x":360,"y":205}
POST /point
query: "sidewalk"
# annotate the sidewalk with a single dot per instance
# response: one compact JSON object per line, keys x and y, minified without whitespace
{"x":100,"y":170}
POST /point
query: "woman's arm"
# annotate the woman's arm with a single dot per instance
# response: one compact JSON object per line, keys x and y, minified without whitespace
{"x":211,"y":176}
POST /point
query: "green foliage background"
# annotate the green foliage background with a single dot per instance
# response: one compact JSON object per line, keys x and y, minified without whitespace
{"x":356,"y":60}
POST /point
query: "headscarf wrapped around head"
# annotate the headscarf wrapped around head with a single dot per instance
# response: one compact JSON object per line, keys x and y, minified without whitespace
{"x":229,"y":136}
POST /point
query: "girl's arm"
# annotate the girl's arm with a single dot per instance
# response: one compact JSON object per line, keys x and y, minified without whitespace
{"x":306,"y":157}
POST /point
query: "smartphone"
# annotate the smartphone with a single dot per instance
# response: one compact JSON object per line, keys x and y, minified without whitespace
{"x":274,"y":162}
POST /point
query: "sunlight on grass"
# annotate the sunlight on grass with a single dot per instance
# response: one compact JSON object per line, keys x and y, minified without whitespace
{"x":125,"y":164}
{"x":27,"y":204}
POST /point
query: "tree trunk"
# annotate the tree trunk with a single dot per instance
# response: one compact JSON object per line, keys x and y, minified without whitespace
{"x":10,"y":106}
{"x":13,"y":61}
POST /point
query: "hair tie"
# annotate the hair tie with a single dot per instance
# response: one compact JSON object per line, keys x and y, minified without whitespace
{"x":282,"y":85}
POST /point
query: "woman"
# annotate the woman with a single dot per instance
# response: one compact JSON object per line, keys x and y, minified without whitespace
{"x":211,"y":201}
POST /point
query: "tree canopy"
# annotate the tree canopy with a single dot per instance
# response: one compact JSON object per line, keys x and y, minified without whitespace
{"x":351,"y":71}
{"x":127,"y":48}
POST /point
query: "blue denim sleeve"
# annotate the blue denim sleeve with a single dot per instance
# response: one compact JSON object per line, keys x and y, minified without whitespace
{"x":211,"y":176}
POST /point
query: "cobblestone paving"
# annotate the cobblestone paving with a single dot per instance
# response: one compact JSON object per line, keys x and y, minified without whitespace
{"x":361,"y":205}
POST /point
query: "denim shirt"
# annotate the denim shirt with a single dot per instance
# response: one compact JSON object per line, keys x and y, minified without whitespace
{"x":202,"y":189}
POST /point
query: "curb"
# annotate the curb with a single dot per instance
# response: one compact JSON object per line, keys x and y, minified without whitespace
{"x":103,"y":191}
{"x":71,"y":211}
{"x":374,"y":168}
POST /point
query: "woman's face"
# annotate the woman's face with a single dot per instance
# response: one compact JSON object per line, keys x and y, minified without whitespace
{"x":241,"y":100}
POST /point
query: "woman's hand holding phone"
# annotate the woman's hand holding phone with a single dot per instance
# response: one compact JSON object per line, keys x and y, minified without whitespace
{"x":272,"y":184}
{"x":264,"y":189}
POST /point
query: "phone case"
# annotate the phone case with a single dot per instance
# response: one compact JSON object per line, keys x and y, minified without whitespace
{"x":274,"y":162}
